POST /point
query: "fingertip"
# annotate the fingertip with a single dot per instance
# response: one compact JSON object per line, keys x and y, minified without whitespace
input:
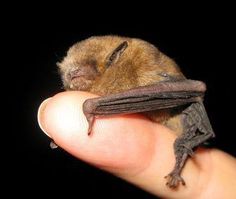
{"x":40,"y":115}
{"x":61,"y":116}
{"x":112,"y":137}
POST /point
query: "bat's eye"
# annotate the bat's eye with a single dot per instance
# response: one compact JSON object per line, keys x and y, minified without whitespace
{"x":163,"y":74}
{"x":168,"y":77}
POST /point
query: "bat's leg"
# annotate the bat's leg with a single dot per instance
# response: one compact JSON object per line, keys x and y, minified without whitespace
{"x":197,"y":129}
{"x":181,"y":154}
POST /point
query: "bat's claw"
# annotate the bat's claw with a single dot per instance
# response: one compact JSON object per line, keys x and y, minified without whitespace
{"x":88,"y":108}
{"x":173,"y":180}
{"x":90,"y":119}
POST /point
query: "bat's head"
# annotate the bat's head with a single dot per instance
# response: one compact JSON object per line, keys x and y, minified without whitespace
{"x":109,"y":64}
{"x":87,"y":61}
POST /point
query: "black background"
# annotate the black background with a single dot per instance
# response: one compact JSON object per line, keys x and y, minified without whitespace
{"x":200,"y":40}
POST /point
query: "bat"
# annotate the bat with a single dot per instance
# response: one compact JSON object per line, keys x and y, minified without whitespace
{"x":131,"y":76}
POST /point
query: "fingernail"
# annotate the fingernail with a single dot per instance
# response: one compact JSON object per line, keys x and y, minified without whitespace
{"x":40,"y":115}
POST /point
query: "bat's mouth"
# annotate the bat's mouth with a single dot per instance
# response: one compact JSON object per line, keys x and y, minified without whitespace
{"x":80,"y":82}
{"x":80,"y":79}
{"x":76,"y":77}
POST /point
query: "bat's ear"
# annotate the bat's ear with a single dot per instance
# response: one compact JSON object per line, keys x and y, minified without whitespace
{"x":115,"y":55}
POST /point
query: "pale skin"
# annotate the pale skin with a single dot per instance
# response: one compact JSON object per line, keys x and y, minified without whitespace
{"x":135,"y":149}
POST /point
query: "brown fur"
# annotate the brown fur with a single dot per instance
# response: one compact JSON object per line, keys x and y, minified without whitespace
{"x":140,"y":64}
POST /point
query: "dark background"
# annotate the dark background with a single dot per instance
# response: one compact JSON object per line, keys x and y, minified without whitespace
{"x":201,"y":41}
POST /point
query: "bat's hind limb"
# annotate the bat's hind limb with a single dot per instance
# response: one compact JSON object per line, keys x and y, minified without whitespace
{"x":197,"y":130}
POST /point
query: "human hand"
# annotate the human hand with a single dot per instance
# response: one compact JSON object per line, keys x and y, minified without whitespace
{"x":135,"y":149}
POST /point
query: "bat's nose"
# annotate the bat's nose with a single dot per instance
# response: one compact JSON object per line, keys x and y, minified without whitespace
{"x":87,"y":72}
{"x":75,"y":73}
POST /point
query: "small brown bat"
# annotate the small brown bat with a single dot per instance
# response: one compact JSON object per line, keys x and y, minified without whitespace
{"x":133,"y":76}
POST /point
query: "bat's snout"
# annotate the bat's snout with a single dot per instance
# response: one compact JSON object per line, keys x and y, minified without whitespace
{"x":76,"y":73}
{"x":80,"y":78}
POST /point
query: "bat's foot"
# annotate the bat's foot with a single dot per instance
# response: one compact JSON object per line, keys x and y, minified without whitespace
{"x":173,"y":180}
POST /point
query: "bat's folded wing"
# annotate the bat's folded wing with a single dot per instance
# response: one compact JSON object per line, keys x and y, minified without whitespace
{"x":147,"y":98}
